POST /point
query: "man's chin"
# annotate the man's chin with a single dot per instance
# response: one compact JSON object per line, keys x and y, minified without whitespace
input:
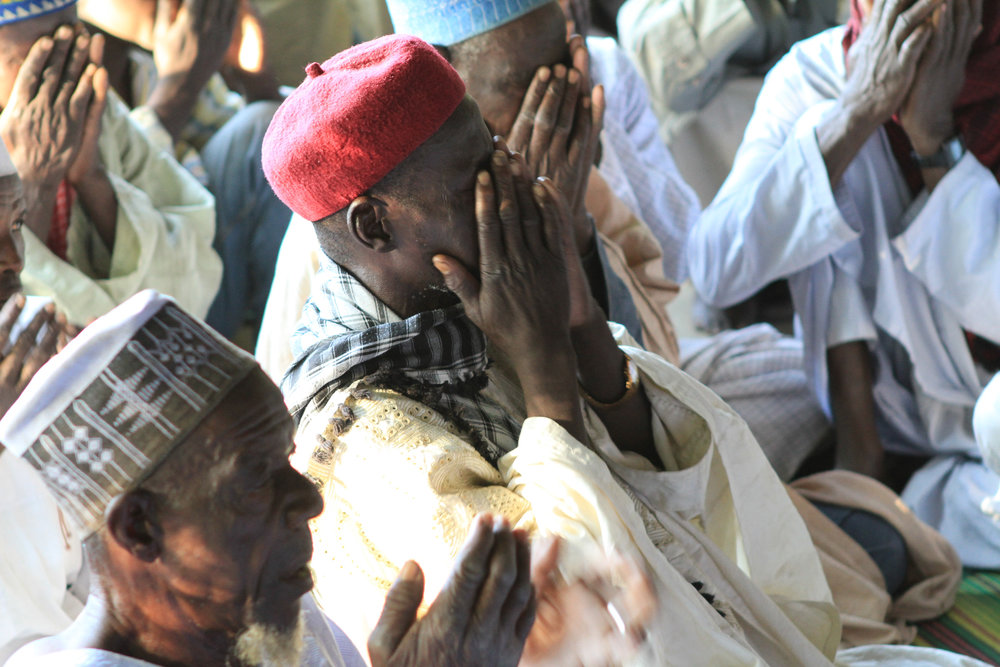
{"x":264,"y":644}
{"x":432,"y":297}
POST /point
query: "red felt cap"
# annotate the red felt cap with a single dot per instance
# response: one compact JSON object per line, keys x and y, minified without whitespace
{"x":354,"y":118}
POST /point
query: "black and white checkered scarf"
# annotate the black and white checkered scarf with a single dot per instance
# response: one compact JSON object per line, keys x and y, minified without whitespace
{"x":438,"y":357}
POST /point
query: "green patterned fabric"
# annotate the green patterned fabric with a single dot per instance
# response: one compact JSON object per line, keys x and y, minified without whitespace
{"x":972,"y":627}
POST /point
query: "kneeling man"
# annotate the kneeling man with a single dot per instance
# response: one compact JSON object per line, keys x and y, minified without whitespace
{"x":169,"y":447}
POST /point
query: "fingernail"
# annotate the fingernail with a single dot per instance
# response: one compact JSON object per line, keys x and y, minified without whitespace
{"x":45,"y":42}
{"x":441,"y":265}
{"x":64,"y":32}
{"x":515,"y":167}
{"x":410,"y":571}
{"x":498,"y":158}
{"x":574,"y":76}
{"x":21,"y":300}
{"x":560,"y":71}
{"x":483,"y":177}
{"x":500,"y":523}
{"x":544,"y":73}
{"x":50,"y":308}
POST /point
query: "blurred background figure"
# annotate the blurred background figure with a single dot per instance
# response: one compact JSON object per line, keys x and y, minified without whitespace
{"x":197,"y":78}
{"x":299,"y":32}
{"x":107,"y":212}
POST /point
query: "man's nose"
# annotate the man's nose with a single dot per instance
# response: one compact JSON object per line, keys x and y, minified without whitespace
{"x":304,"y":500}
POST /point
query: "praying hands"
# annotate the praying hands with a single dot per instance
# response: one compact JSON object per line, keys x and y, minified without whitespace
{"x":51,"y":125}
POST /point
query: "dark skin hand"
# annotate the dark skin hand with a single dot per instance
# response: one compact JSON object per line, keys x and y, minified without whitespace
{"x":573,"y":625}
{"x":27,"y":353}
{"x":558,"y":131}
{"x":52,"y":123}
{"x":554,"y":345}
{"x":926,"y":114}
{"x":481,"y":617}
{"x":190,"y":42}
{"x":859,"y":448}
{"x":558,"y":127}
{"x":520,"y":297}
{"x":881,"y":66}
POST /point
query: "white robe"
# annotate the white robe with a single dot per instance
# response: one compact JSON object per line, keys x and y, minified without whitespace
{"x":324,"y":646}
{"x":868,"y":261}
{"x":163,"y":234}
{"x":40,"y":557}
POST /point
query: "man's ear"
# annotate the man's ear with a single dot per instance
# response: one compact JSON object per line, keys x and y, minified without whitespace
{"x":132,"y":523}
{"x":367,"y":224}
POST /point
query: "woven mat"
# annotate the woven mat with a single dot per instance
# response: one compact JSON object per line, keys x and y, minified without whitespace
{"x":972,"y":627}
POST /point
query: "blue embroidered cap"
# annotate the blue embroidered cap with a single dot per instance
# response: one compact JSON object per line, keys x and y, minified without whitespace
{"x":12,"y":11}
{"x":447,"y":22}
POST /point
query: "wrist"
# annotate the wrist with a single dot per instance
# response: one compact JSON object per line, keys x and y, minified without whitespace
{"x":173,"y":99}
{"x":930,"y":146}
{"x":93,"y":174}
{"x":549,"y":385}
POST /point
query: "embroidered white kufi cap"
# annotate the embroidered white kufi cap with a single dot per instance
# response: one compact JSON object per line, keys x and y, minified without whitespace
{"x":101,"y":415}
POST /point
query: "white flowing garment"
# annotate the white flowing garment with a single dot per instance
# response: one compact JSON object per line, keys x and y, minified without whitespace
{"x":324,"y":646}
{"x":868,"y":261}
{"x":40,"y":558}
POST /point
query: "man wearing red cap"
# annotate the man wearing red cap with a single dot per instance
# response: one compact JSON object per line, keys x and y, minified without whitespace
{"x":424,"y":410}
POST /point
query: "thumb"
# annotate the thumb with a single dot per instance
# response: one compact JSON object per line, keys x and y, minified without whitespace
{"x":398,"y":614}
{"x":458,"y":279}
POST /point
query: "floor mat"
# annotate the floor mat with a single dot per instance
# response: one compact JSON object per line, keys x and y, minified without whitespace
{"x":972,"y":627}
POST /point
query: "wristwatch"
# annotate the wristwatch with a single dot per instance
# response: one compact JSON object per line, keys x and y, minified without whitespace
{"x":632,"y":380}
{"x":946,"y":157}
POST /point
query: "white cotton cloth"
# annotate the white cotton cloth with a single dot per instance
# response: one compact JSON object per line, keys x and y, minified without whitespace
{"x":40,"y":559}
{"x":324,"y":646}
{"x":868,"y":261}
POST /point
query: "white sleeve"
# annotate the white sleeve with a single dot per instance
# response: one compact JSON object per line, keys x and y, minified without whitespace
{"x":643,"y":165}
{"x":776,"y":213}
{"x":952,"y":245}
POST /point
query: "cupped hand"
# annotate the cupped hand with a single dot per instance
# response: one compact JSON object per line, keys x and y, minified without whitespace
{"x":88,"y":159}
{"x":519,"y":297}
{"x":190,"y":40}
{"x":558,"y":131}
{"x":481,"y":617}
{"x":882,"y":62}
{"x":595,"y":620}
{"x":21,"y":359}
{"x":47,"y":115}
{"x":926,"y":114}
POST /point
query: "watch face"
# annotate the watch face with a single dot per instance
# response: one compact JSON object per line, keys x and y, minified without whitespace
{"x":946,"y":157}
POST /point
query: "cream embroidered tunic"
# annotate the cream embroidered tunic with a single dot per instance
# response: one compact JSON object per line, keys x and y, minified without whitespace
{"x":402,"y":483}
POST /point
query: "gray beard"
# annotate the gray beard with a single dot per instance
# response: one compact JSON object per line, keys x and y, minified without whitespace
{"x":266,"y":646}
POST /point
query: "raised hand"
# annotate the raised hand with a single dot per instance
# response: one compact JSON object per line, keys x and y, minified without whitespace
{"x":926,"y":113}
{"x":190,"y":40}
{"x":881,"y":64}
{"x":520,"y":296}
{"x":481,"y":617}
{"x":88,"y":159}
{"x":558,"y":131}
{"x":21,"y":359}
{"x":47,"y":117}
{"x":598,"y":619}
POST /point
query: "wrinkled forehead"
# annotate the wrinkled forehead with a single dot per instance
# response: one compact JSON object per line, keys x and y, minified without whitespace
{"x":11,"y":190}
{"x":18,"y":37}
